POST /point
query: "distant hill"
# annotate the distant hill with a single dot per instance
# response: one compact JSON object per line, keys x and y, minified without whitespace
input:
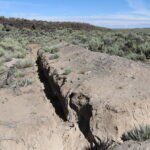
{"x":133,"y":30}
{"x":45,"y":25}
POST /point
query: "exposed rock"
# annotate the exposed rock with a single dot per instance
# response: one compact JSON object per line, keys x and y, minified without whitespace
{"x":106,"y":95}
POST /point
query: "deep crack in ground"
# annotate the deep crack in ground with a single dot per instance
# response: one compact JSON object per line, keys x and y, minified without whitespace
{"x":49,"y":92}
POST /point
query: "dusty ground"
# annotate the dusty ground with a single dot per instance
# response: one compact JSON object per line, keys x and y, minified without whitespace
{"x":28,"y":120}
{"x":80,"y":98}
{"x":106,"y":95}
{"x":132,"y":145}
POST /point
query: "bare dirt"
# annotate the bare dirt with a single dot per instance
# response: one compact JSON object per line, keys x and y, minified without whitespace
{"x":132,"y":145}
{"x":80,"y":98}
{"x":28,"y":120}
{"x":105,"y":95}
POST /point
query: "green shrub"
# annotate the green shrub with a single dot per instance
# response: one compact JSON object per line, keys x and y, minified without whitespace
{"x":95,"y":44}
{"x":135,"y":56}
{"x":11,"y":44}
{"x":8,"y":57}
{"x":2,"y":60}
{"x":23,"y":41}
{"x":20,"y":54}
{"x":55,"y":56}
{"x":2,"y":52}
{"x":133,"y":44}
{"x":26,"y":63}
{"x":52,"y":50}
{"x":145,"y":48}
{"x":19,"y":74}
{"x":67,"y":71}
{"x":23,"y":82}
{"x":141,"y":133}
{"x":74,"y":42}
{"x":2,"y":68}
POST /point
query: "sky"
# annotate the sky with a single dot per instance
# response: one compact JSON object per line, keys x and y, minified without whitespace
{"x":105,"y":13}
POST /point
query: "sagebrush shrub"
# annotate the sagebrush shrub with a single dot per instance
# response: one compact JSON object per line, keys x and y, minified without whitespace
{"x":67,"y":71}
{"x":2,"y":60}
{"x":11,"y":44}
{"x":52,"y":49}
{"x":133,"y":44}
{"x":8,"y":57}
{"x":20,"y":54}
{"x":2,"y":52}
{"x":23,"y":82}
{"x":2,"y":68}
{"x":55,"y":56}
{"x":135,"y":56}
{"x":141,"y":133}
{"x":26,"y":63}
{"x":19,"y":74}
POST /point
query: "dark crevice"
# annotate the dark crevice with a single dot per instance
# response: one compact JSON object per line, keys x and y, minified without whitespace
{"x":49,"y":92}
{"x":84,"y":114}
{"x":84,"y":122}
{"x":52,"y":92}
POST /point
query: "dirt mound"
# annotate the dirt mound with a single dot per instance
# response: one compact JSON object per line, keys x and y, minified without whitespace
{"x":105,"y":95}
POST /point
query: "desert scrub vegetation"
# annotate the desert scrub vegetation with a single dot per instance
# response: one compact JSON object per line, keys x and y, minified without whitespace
{"x":50,"y":49}
{"x":67,"y":71}
{"x":23,"y":82}
{"x":132,"y":44}
{"x":11,"y":48}
{"x":20,"y":54}
{"x":2,"y":68}
{"x":141,"y":133}
{"x":54,"y":56}
{"x":2,"y":60}
{"x":2,"y":52}
{"x":8,"y":57}
{"x":24,"y":63}
{"x":10,"y":44}
{"x":19,"y":74}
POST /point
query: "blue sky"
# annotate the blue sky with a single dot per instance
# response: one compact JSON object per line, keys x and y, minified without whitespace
{"x":106,"y":13}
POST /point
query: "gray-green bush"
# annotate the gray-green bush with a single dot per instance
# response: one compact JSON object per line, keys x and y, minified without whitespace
{"x":2,"y":68}
{"x":67,"y":71}
{"x":141,"y":133}
{"x":19,"y":74}
{"x":23,"y":82}
{"x":54,"y":56}
{"x":25,"y":63}
{"x":132,"y":44}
